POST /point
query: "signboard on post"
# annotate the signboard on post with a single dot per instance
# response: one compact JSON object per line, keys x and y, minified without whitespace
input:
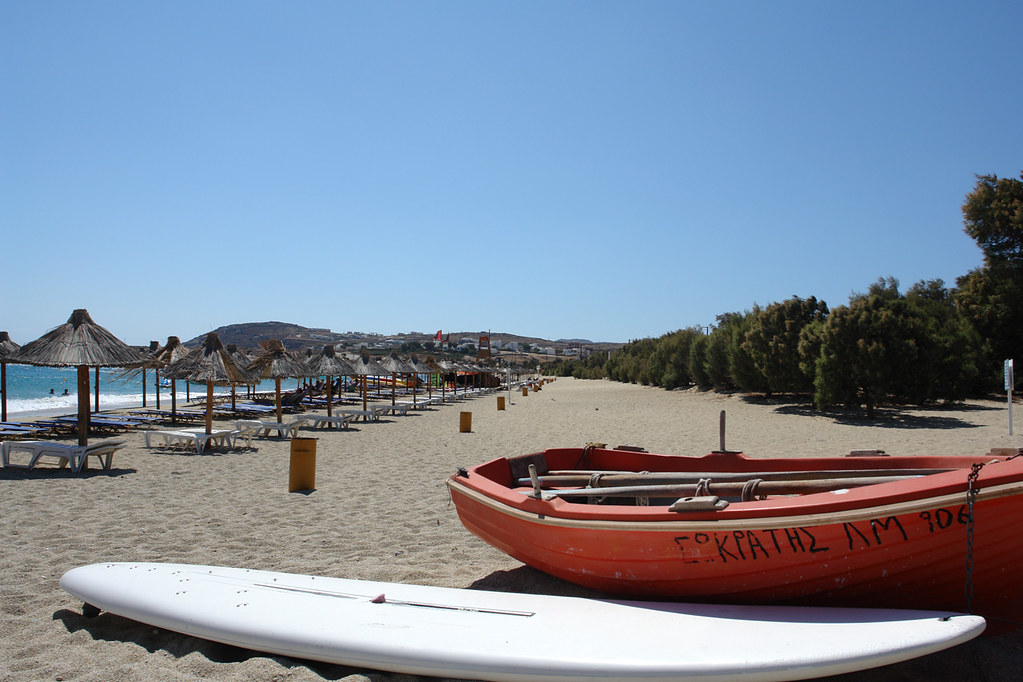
{"x":1009,"y":381}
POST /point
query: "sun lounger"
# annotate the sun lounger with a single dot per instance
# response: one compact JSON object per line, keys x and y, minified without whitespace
{"x":283,"y":429}
{"x":195,"y":437}
{"x":339,"y":422}
{"x":75,"y":455}
{"x":395,"y":409}
{"x":367,"y":414}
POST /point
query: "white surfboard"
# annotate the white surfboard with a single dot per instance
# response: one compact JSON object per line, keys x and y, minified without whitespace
{"x":447,"y":632}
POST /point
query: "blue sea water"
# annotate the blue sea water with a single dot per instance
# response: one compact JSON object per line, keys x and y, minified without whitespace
{"x":39,"y":391}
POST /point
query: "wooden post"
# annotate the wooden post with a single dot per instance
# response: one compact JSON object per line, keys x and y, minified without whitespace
{"x":156,"y":379}
{"x":277,"y":387}
{"x":143,"y":387}
{"x":209,"y":407}
{"x":97,"y":390}
{"x":83,"y":405}
{"x":721,"y":429}
{"x":330,"y":392}
{"x":3,"y":389}
{"x":174,"y":401}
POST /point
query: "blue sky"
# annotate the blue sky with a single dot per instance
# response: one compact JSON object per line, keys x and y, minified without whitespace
{"x":603,"y":170}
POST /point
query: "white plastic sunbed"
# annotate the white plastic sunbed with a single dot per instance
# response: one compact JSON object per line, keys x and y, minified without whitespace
{"x":339,"y":422}
{"x":197,"y":437}
{"x":283,"y":429}
{"x":75,"y":455}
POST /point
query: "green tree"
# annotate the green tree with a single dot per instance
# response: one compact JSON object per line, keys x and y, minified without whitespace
{"x":698,"y":361}
{"x":671,"y":359}
{"x":991,"y":299}
{"x":742,"y":371}
{"x":872,"y":352}
{"x":993,"y":217}
{"x":954,"y":349}
{"x":716,"y":359}
{"x":772,"y":342}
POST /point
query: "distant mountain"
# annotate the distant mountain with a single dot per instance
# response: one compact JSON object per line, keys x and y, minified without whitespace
{"x":248,"y":335}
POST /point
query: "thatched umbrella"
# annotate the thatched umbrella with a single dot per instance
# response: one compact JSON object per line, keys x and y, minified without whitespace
{"x":242,"y":359}
{"x":164,"y":357}
{"x":437,"y":369}
{"x":211,"y":364}
{"x":277,"y":362}
{"x":7,"y":348}
{"x":79,"y":343}
{"x":395,"y":365}
{"x":419,"y":367}
{"x":328,"y":364}
{"x":365,"y":366}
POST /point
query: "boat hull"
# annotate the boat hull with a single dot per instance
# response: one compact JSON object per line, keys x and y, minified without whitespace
{"x":902,"y":544}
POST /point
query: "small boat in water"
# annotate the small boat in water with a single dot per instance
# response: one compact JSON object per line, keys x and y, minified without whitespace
{"x":928,"y":532}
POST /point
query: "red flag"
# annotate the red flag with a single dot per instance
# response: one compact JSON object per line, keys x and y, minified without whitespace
{"x":437,"y":338}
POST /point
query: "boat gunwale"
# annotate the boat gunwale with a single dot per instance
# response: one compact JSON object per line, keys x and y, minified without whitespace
{"x":698,"y":521}
{"x":882,"y":499}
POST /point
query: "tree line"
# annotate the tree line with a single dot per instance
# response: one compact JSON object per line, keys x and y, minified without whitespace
{"x":885,"y":347}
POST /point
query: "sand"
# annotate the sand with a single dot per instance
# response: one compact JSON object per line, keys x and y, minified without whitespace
{"x":381,"y":512}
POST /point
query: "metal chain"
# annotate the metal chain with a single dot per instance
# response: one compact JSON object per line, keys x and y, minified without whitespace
{"x":971,"y":497}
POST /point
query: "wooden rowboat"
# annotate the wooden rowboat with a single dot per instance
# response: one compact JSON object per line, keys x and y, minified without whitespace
{"x":930,"y":532}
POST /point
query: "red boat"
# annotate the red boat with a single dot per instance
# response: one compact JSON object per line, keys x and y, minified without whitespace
{"x":930,"y":532}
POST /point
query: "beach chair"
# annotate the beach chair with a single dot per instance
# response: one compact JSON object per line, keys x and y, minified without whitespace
{"x":261,"y":427}
{"x":195,"y":437}
{"x":75,"y":455}
{"x":339,"y":422}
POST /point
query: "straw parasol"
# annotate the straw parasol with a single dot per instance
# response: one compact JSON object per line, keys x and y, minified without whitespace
{"x":79,"y":343}
{"x":277,"y":362}
{"x":437,"y":369}
{"x":365,"y":366}
{"x":7,"y":348}
{"x":328,"y":364}
{"x":395,"y":365}
{"x":211,"y":364}
{"x":164,"y":357}
{"x":420,"y":367}
{"x":242,"y":359}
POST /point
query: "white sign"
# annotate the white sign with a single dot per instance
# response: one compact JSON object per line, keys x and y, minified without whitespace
{"x":1008,"y":375}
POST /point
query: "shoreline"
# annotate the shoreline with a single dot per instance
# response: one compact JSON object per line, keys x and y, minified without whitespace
{"x":381,"y":512}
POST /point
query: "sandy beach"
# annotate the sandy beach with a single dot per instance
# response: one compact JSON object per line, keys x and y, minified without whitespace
{"x":381,"y":512}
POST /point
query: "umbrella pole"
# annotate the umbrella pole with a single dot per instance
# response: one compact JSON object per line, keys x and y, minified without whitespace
{"x":174,"y":401}
{"x":209,"y":407}
{"x":277,"y":386}
{"x":3,"y":391}
{"x":83,"y":405}
{"x":233,"y":406}
{"x":364,"y":382}
{"x":143,"y":387}
{"x":330,"y":392}
{"x":97,"y":390}
{"x":394,"y":386}
{"x":157,"y":380}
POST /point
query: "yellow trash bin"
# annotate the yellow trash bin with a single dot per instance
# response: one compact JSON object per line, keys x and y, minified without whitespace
{"x":465,"y":422}
{"x":500,"y":402}
{"x":303,"y":465}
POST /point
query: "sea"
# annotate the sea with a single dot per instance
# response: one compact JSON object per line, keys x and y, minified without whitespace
{"x":49,"y":391}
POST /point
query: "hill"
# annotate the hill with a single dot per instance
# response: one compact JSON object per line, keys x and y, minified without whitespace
{"x":247,"y":335}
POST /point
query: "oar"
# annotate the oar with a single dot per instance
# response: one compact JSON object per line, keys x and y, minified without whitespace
{"x":727,"y":488}
{"x":612,"y":479}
